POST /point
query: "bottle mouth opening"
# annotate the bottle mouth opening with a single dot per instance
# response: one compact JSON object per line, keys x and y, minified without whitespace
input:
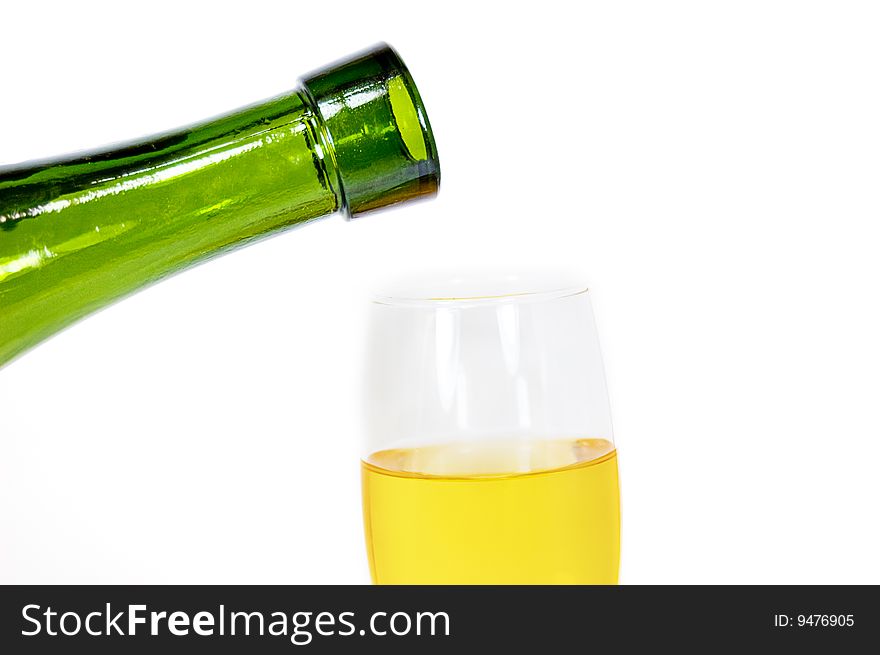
{"x":411,"y":116}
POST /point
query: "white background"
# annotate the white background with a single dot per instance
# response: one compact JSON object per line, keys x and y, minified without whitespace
{"x":711,"y":170}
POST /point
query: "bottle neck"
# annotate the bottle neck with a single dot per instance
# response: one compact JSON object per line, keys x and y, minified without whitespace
{"x":260,"y":145}
{"x":78,"y":233}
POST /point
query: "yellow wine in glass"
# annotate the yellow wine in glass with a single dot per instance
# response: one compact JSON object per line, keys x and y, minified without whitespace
{"x":505,"y":512}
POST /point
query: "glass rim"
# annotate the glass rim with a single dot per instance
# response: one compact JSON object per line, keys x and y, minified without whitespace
{"x":519,"y":292}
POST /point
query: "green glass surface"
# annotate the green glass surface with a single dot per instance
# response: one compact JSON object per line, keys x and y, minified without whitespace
{"x":79,"y":233}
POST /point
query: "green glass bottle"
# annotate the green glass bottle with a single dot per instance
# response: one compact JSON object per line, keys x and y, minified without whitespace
{"x":81,"y":232}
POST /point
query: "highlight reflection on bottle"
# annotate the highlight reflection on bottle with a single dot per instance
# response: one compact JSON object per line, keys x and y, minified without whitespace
{"x":490,"y":458}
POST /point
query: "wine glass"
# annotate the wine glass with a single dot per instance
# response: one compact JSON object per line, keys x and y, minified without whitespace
{"x":489,"y":456}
